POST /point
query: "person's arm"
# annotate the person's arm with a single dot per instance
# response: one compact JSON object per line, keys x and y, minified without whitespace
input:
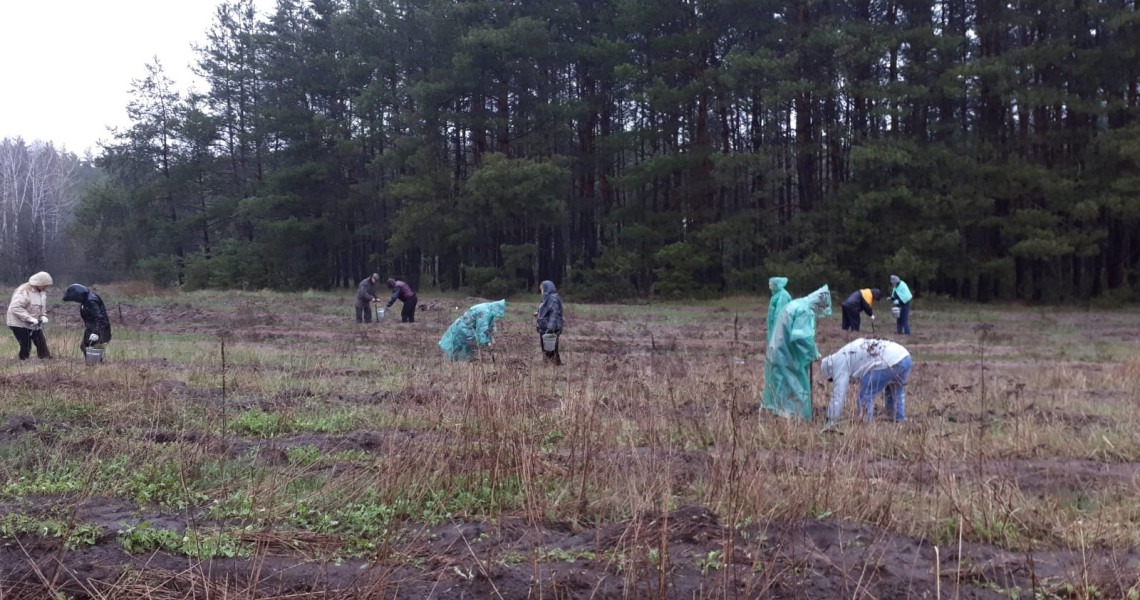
{"x":395,"y":296}
{"x":867,"y":308}
{"x":801,"y":338}
{"x":99,"y":316}
{"x":543,"y":318}
{"x":19,"y":307}
{"x":841,"y":379}
{"x":484,"y":327}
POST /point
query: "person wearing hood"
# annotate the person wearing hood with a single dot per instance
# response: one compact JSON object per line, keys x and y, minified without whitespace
{"x":97,"y":327}
{"x":780,"y":299}
{"x":859,"y":301}
{"x":548,"y":319}
{"x":404,"y":293}
{"x":787,"y":363}
{"x":27,"y":314}
{"x":365,"y":295}
{"x":880,"y":367}
{"x":901,"y":296}
{"x":474,"y":329}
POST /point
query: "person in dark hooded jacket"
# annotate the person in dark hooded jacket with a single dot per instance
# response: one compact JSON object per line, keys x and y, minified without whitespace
{"x":858,"y":301}
{"x":548,"y":319}
{"x":404,"y":293}
{"x":97,"y":327}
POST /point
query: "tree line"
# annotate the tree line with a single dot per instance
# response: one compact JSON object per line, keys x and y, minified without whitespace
{"x":40,"y":186}
{"x":980,"y":149}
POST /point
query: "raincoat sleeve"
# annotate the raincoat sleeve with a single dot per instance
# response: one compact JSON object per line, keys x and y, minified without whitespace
{"x":801,"y":337}
{"x":485,"y":328}
{"x":395,"y":296}
{"x":101,"y":325}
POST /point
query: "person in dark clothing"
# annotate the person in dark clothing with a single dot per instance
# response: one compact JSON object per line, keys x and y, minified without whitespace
{"x":404,"y":293}
{"x":97,"y":327}
{"x":858,"y":301}
{"x":365,"y":295}
{"x":548,"y":319}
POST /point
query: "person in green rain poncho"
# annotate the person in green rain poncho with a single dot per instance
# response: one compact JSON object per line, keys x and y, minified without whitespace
{"x":787,"y":391}
{"x":780,"y":299}
{"x":475,"y":328}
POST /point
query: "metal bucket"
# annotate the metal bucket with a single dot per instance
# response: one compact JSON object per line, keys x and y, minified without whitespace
{"x":896,"y":312}
{"x":93,"y":356}
{"x":550,"y":342}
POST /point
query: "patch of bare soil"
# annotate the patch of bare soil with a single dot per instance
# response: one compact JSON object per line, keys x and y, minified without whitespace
{"x":687,"y":553}
{"x":55,"y":381}
{"x":16,"y":427}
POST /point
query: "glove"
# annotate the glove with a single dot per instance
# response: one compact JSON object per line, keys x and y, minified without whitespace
{"x":93,"y":338}
{"x":43,"y":320}
{"x":872,"y":317}
{"x":34,"y":322}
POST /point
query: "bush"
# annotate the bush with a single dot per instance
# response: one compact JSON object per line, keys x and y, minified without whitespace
{"x":160,"y":270}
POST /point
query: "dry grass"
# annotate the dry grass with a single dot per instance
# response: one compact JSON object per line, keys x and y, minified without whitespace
{"x":362,"y":446}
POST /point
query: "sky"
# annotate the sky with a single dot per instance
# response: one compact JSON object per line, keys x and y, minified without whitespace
{"x":66,"y":65}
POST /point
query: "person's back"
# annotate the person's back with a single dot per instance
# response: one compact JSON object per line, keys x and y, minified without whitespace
{"x":92,"y":311}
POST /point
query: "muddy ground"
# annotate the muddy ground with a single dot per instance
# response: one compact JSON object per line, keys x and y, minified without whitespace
{"x":1065,"y":377}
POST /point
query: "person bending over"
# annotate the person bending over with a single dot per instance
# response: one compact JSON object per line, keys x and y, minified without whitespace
{"x":880,"y":367}
{"x":97,"y":327}
{"x":404,"y":293}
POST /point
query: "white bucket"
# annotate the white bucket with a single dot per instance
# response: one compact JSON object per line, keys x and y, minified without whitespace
{"x":549,"y":342}
{"x":93,"y":356}
{"x":896,"y":312}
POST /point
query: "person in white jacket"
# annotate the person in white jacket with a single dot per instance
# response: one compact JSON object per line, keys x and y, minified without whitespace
{"x":27,"y":314}
{"x":880,"y":366}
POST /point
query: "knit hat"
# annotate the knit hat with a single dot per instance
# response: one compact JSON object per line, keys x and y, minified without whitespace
{"x":41,"y":279}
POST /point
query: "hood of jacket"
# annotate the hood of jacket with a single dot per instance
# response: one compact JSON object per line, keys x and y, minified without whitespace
{"x":548,"y":288}
{"x":76,"y":293}
{"x":777,"y":284}
{"x":820,"y":301}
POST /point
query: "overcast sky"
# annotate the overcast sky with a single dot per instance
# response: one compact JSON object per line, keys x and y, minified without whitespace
{"x":66,"y":65}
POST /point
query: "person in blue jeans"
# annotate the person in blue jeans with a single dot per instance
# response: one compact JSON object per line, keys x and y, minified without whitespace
{"x":901,"y":296}
{"x":880,"y":367}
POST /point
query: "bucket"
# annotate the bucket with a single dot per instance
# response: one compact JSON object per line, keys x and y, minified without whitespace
{"x":896,"y":312}
{"x":93,"y":356}
{"x":549,"y":342}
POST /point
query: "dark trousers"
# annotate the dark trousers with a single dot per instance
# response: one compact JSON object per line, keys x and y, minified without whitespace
{"x":553,"y":357}
{"x":408,"y":314}
{"x":364,"y":312}
{"x":850,"y":318}
{"x":26,"y":337}
{"x":904,"y":319}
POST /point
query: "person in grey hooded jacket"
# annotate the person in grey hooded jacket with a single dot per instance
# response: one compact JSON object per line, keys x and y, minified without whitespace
{"x":365,"y":296}
{"x":548,"y":319}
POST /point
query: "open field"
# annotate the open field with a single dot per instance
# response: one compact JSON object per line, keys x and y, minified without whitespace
{"x":331,"y":460}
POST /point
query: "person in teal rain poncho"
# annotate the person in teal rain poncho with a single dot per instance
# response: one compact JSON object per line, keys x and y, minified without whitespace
{"x":780,"y":299}
{"x":901,"y":296}
{"x":475,"y":328}
{"x":787,"y":389}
